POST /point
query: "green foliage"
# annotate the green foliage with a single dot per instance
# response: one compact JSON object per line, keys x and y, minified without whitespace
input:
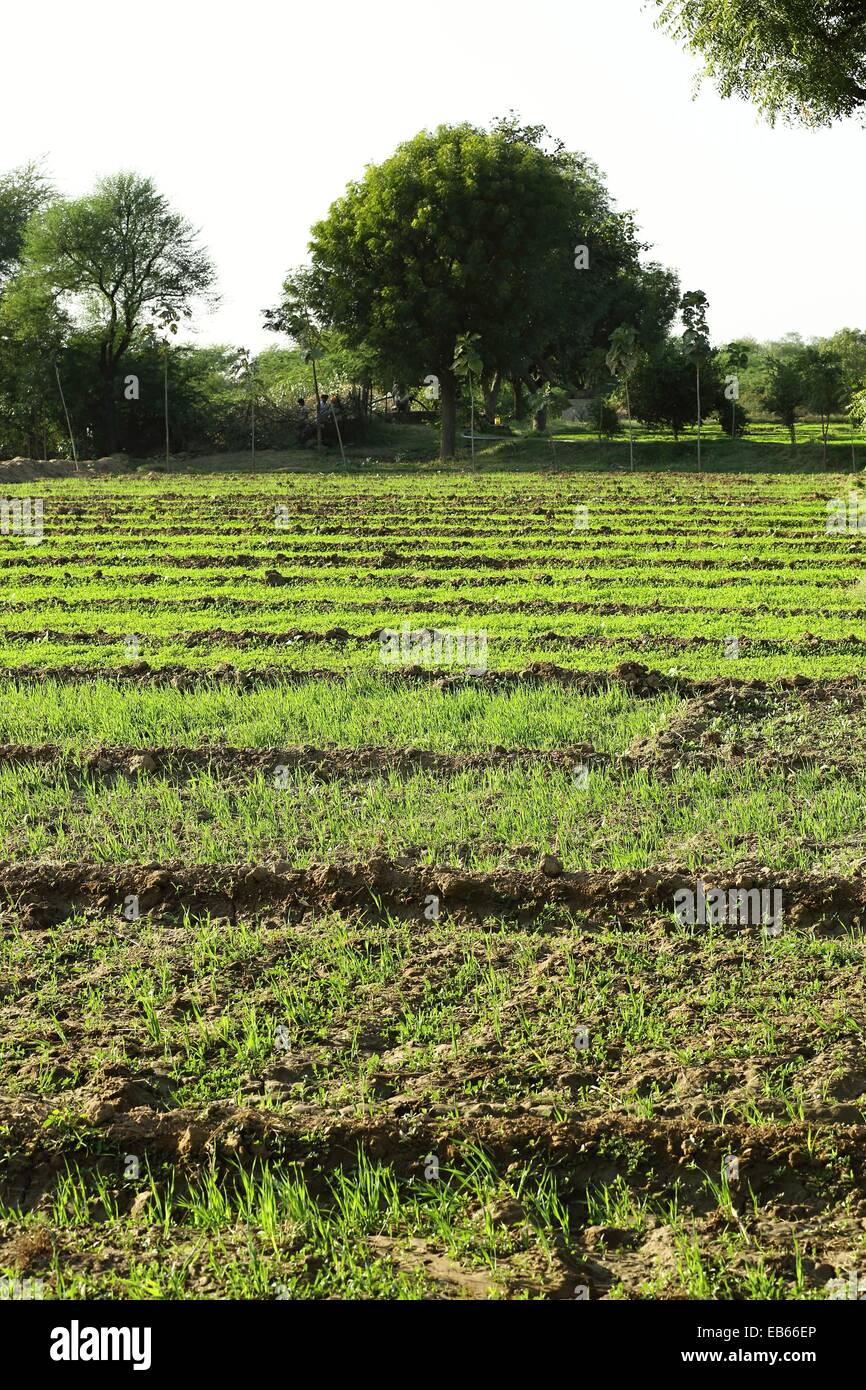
{"x":23,"y":193}
{"x":848,"y":347}
{"x":32,"y":332}
{"x":801,"y":60}
{"x":732,"y":417}
{"x":125,"y":262}
{"x":467,"y":356}
{"x":460,"y":231}
{"x":122,"y":254}
{"x":662,"y":388}
{"x":732,"y":360}
{"x":825,"y":386}
{"x":623,"y":354}
{"x":784,"y":390}
{"x":295,"y":315}
{"x":470,"y":231}
{"x":604,"y":417}
{"x":696,"y":340}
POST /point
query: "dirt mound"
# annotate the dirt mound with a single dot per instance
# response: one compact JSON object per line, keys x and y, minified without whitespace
{"x":44,"y":895}
{"x":783,"y":1161}
{"x":21,"y":470}
{"x":110,"y":760}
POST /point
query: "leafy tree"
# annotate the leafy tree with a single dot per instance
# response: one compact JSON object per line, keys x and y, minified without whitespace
{"x":848,"y":346}
{"x":784,"y":390}
{"x":801,"y":60}
{"x":122,"y":257}
{"x":23,"y":193}
{"x":616,"y":287}
{"x":662,"y":388}
{"x":320,"y":353}
{"x":461,"y":230}
{"x":857,"y":408}
{"x":33,"y":332}
{"x":696,"y":341}
{"x":465,"y":230}
{"x":468,"y":363}
{"x":622,"y":359}
{"x":244,"y":370}
{"x":824,"y":388}
{"x":733,"y":360}
{"x":31,"y":329}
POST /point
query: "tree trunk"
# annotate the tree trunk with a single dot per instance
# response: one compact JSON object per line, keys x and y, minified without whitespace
{"x":318,"y":404}
{"x":109,"y":414}
{"x":491,"y":396}
{"x":448,"y":413}
{"x":519,"y":402}
{"x":792,"y":430}
{"x":539,"y":420}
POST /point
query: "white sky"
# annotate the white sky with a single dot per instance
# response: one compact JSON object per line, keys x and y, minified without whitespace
{"x":252,"y":118}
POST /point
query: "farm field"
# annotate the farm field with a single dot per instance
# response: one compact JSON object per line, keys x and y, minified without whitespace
{"x":336,"y":967}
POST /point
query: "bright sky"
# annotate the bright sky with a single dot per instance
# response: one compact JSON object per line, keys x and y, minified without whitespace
{"x":252,"y":119}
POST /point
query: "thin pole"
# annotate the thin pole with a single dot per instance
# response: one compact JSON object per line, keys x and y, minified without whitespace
{"x":66,"y":413}
{"x":318,"y":407}
{"x":630,"y":439}
{"x":471,"y":419}
{"x":337,"y":428}
{"x":165,"y":400}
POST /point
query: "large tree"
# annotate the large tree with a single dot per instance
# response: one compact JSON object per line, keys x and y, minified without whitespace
{"x":803,"y":61}
{"x":612,"y":288}
{"x":461,"y":231}
{"x":31,"y":327}
{"x":120,"y":257}
{"x":23,"y":192}
{"x":501,"y":234}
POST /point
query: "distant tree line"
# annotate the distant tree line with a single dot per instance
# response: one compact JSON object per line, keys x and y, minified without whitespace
{"x":790,"y":380}
{"x":476,"y":272}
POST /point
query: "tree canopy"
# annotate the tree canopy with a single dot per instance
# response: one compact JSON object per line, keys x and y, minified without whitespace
{"x":459,"y":231}
{"x":468,"y":231}
{"x":23,"y":192}
{"x":803,"y":61}
{"x":121,"y":258}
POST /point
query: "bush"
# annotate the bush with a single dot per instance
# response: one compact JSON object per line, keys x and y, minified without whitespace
{"x":604,"y":417}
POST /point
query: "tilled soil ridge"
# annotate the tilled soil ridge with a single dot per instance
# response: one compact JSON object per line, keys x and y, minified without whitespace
{"x":46,"y":894}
